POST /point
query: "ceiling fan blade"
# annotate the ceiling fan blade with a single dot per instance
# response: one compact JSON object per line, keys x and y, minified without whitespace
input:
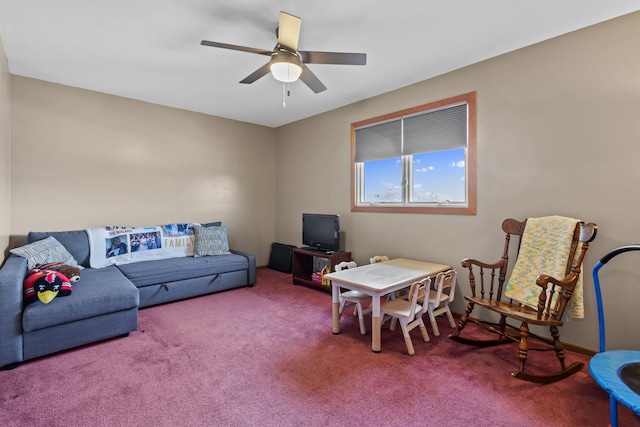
{"x":311,"y":80}
{"x":236,"y":47}
{"x":260,"y":72}
{"x":289,"y":31}
{"x":342,"y":58}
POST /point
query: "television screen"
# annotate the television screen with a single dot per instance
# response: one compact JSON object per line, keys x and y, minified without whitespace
{"x":321,"y":231}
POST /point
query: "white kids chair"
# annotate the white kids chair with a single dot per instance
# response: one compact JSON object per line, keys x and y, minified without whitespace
{"x":355,"y":298}
{"x":440,"y":297}
{"x":408,"y":312}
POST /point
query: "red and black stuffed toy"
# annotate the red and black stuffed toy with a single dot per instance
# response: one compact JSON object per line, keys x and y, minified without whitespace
{"x":72,"y":273}
{"x":45,"y":285}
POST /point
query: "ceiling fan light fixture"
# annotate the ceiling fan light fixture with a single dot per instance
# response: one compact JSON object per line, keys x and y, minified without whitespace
{"x":286,"y":67}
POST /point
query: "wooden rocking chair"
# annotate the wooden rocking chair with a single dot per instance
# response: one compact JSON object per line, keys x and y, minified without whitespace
{"x":553,"y":298}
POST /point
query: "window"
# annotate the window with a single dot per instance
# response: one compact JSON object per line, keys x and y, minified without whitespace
{"x":420,"y":160}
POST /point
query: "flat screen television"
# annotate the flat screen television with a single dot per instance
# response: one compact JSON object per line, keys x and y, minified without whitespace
{"x":321,"y":232}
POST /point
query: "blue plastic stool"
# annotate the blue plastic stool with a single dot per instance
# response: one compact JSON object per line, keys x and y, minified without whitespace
{"x":619,"y":370}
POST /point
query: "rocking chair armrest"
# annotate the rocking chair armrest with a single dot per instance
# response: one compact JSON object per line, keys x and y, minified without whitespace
{"x":468,"y":262}
{"x":569,"y":281}
{"x":562,"y":287}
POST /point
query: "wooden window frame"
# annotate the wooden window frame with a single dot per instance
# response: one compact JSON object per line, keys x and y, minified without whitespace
{"x":471,"y":161}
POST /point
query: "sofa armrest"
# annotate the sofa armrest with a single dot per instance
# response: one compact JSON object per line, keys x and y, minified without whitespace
{"x":251,"y":274}
{"x":12,"y":276}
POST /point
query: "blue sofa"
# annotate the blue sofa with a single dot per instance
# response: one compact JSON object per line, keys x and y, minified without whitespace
{"x":105,"y":302}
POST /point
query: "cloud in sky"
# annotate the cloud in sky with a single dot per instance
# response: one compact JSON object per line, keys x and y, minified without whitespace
{"x":427,"y":169}
{"x":459,"y":164}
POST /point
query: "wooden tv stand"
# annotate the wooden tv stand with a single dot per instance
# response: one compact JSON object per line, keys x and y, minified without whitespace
{"x":303,"y":261}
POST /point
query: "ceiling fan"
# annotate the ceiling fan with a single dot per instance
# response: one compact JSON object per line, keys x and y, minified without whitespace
{"x":287,"y":63}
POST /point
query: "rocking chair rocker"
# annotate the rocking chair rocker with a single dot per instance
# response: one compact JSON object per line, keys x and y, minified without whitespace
{"x":554,"y":295}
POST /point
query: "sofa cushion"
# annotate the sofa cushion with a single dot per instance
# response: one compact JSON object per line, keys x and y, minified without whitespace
{"x":98,"y":292}
{"x":43,"y":252}
{"x":147,"y":273}
{"x":76,"y":242}
{"x":212,"y":224}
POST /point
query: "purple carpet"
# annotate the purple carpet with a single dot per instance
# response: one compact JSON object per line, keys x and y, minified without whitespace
{"x":266,"y":356}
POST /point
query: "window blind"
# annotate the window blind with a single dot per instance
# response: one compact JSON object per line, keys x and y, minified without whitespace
{"x":380,"y":141}
{"x":435,"y":130}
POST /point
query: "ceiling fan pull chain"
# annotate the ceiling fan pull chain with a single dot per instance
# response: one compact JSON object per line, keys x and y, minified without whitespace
{"x":285,"y":92}
{"x":284,"y":95}
{"x":285,"y":89}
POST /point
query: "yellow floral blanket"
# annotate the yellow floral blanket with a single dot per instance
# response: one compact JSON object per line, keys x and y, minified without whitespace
{"x":544,"y":249}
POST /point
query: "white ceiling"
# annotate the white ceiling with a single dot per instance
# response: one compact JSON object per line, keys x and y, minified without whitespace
{"x":150,"y":49}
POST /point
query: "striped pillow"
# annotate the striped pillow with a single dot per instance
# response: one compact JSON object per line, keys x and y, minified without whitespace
{"x":43,"y":252}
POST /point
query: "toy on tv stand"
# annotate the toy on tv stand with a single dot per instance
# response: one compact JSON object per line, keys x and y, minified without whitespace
{"x":303,"y":266}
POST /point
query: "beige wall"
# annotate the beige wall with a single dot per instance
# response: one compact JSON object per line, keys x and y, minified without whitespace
{"x":5,"y":151}
{"x":557,"y":134}
{"x":85,"y":159}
